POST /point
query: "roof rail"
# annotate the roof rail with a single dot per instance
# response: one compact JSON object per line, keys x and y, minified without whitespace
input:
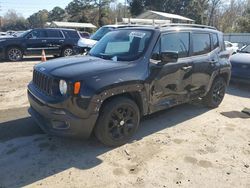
{"x":188,"y":25}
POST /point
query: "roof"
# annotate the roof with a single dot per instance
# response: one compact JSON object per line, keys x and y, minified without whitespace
{"x":145,"y":21}
{"x":72,"y":25}
{"x":157,"y":15}
{"x":125,"y":25}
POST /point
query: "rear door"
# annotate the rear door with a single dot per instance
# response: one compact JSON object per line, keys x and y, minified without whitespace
{"x":55,"y":41}
{"x":205,"y":57}
{"x":36,"y":40}
{"x":171,"y":83}
{"x":71,"y":38}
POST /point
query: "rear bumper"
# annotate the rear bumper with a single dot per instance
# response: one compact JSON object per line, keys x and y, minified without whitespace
{"x":2,"y":56}
{"x":60,"y":122}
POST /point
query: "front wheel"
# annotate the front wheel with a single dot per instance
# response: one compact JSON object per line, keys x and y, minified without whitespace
{"x":216,"y":93}
{"x":117,"y":122}
{"x":14,"y":54}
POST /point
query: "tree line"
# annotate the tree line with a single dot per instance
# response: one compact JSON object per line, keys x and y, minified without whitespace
{"x":227,"y":16}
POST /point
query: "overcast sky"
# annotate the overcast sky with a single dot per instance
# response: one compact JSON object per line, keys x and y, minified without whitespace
{"x":28,"y":7}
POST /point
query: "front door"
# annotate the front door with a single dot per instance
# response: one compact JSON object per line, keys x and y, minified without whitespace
{"x":171,"y":82}
{"x":36,"y":41}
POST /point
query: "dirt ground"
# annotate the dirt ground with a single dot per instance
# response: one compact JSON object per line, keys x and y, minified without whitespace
{"x":186,"y":146}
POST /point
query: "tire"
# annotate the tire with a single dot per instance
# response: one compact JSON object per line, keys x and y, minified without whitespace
{"x":216,"y":93}
{"x":14,"y":54}
{"x":118,"y":121}
{"x":67,"y":51}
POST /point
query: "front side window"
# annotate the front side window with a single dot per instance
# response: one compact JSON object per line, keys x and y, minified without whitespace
{"x":122,"y":45}
{"x":177,"y":42}
{"x":201,"y":43}
{"x":36,"y":34}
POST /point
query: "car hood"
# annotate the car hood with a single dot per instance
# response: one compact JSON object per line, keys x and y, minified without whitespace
{"x":240,"y":58}
{"x":76,"y":67}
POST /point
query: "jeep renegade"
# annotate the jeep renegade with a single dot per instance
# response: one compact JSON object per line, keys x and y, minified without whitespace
{"x":129,"y":73}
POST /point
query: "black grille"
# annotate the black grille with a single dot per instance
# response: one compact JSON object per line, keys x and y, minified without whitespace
{"x":43,"y":82}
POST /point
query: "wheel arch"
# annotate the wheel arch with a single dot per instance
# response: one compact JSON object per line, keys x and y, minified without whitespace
{"x":134,"y":96}
{"x":224,"y":74}
{"x":135,"y":92}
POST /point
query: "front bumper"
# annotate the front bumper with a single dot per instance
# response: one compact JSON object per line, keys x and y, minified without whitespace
{"x":60,"y":122}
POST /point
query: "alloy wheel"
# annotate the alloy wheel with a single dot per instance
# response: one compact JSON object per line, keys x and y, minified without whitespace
{"x":68,"y":52}
{"x":218,"y":91}
{"x":122,"y":122}
{"x":15,"y":54}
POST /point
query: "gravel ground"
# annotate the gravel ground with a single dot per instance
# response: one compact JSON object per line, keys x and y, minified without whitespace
{"x":186,"y":146}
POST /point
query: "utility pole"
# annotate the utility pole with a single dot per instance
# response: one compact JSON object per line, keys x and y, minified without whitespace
{"x":125,"y":8}
{"x":1,"y":20}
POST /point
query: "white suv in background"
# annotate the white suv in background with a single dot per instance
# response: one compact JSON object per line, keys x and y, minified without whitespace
{"x":231,"y":47}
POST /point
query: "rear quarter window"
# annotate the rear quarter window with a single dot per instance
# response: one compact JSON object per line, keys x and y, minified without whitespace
{"x":201,"y":43}
{"x":71,"y":34}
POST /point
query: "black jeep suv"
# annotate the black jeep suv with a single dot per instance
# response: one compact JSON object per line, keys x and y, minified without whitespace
{"x":58,"y":42}
{"x":129,"y":73}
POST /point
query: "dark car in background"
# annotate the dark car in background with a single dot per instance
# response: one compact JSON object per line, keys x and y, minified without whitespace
{"x":241,"y":65}
{"x":57,"y":42}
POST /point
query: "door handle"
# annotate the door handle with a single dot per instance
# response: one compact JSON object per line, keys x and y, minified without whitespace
{"x":186,"y":68}
{"x":61,"y":40}
{"x":44,"y":40}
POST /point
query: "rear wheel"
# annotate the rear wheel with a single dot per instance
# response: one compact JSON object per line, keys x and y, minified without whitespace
{"x":67,"y":51}
{"x":216,"y":93}
{"x":118,"y":121}
{"x":14,"y":54}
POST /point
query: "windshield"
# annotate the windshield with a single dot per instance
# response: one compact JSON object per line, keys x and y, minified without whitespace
{"x":21,"y":34}
{"x":122,"y":45}
{"x":245,"y":49}
{"x":100,"y":33}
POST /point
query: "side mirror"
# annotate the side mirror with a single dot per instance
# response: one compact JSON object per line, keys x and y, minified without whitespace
{"x":29,"y":36}
{"x":169,"y":57}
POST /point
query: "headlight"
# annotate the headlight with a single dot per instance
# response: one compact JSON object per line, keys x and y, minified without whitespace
{"x":63,"y":87}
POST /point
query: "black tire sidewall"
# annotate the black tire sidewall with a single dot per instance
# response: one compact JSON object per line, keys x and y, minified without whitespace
{"x":101,"y":129}
{"x":209,"y":98}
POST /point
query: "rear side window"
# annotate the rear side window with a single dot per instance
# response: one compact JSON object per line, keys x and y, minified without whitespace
{"x":178,"y":42}
{"x":54,"y":34}
{"x":215,"y":40}
{"x":201,"y":43}
{"x":71,"y":34}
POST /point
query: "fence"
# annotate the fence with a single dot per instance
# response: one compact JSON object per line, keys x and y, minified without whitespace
{"x":241,"y":38}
